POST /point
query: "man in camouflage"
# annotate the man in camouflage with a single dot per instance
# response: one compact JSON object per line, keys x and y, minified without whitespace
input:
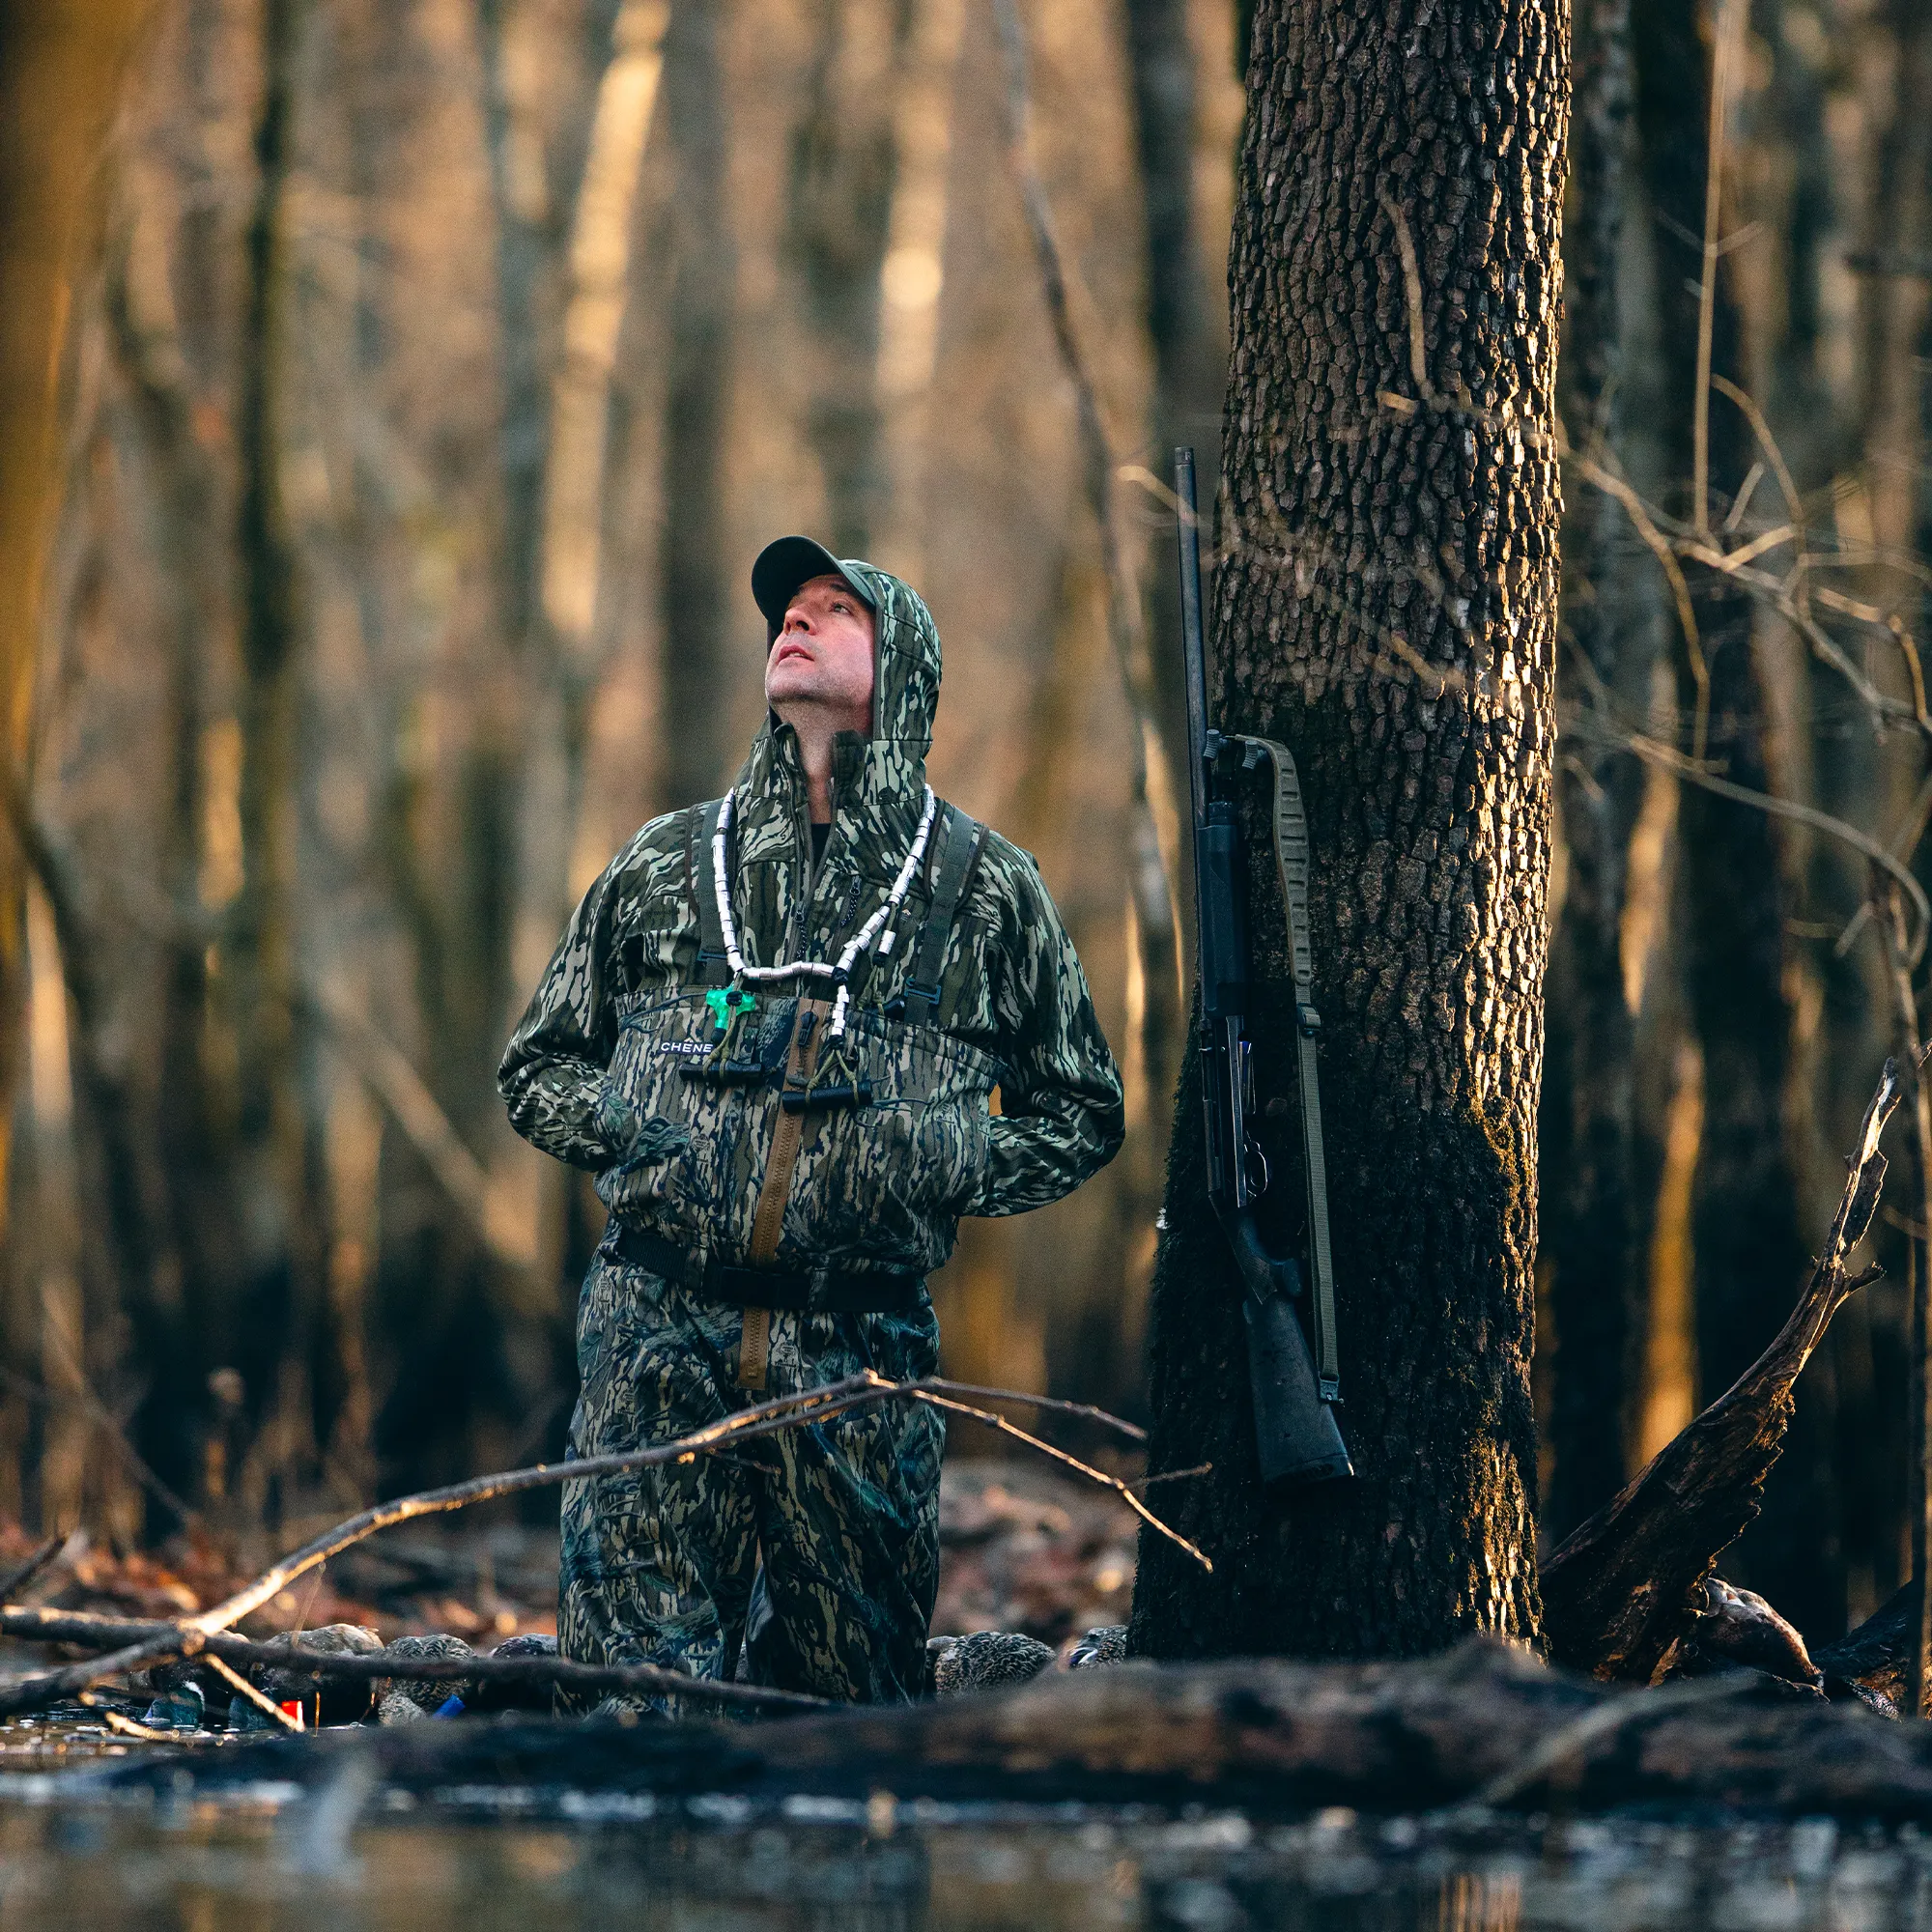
{"x":784,"y":1168}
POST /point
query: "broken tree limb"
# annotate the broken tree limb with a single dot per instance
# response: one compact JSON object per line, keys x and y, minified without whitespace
{"x":187,"y":1636}
{"x":1621,"y":1592}
{"x":539,"y":1673}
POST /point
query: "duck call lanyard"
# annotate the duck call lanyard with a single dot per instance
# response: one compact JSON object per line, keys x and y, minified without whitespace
{"x":806,"y":1063}
{"x":841,"y":974}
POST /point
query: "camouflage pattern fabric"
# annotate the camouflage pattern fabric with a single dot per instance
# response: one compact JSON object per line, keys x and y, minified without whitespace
{"x":616,"y":1069}
{"x":817,"y":1547}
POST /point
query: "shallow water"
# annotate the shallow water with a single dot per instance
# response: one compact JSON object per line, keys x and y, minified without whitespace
{"x":474,"y":1861}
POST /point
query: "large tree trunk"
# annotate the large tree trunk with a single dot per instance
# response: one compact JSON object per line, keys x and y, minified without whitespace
{"x":1587,"y":1131}
{"x":1744,"y":1218}
{"x":1387,"y":607}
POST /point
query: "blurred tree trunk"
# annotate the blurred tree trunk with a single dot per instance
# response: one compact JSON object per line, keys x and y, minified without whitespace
{"x":1820,"y":429}
{"x":1586,"y":1139}
{"x":912,"y":278}
{"x":839,"y":198}
{"x":1387,"y":607}
{"x":1749,"y":1249}
{"x":1189,"y":340}
{"x":277,"y":1165}
{"x":180,"y":1266}
{"x":1898,"y":296}
{"x":61,"y":67}
{"x":1187,"y":336}
{"x":704,"y":599}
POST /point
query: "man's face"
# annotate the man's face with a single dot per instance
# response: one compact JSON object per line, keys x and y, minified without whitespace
{"x":821,"y":658}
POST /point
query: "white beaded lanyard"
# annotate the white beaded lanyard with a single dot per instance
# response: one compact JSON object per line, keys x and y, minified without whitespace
{"x":817,"y":969}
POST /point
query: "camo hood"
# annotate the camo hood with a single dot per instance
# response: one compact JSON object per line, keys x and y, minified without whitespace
{"x":878,"y":783}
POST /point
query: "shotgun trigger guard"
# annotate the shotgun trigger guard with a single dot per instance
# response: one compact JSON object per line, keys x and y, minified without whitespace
{"x":1256,"y":1159}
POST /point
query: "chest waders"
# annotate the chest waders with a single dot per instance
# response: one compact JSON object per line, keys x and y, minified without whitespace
{"x":958,"y":842}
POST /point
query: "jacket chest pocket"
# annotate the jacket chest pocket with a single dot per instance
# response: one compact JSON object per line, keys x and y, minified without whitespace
{"x":888,"y":1179}
{"x":659,"y":1049}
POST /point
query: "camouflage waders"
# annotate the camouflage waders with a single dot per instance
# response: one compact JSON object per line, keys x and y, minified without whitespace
{"x":659,"y":1564}
{"x":755,"y":1166}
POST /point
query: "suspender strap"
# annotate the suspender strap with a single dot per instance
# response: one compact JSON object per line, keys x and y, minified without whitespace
{"x":754,"y":1342}
{"x":714,"y":968}
{"x":958,"y":859}
{"x":1290,"y":858}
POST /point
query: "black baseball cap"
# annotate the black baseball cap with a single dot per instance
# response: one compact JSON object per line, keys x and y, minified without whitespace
{"x":786,"y":563}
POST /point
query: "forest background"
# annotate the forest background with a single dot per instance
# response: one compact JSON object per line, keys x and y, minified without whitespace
{"x":395,"y":393}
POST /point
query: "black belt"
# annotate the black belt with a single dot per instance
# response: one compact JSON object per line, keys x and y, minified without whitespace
{"x":828,"y":1290}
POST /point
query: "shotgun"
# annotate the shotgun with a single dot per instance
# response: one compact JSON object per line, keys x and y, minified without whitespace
{"x":1294,"y":1423}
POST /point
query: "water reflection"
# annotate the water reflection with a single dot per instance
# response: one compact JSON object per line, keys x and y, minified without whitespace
{"x":477,"y":1860}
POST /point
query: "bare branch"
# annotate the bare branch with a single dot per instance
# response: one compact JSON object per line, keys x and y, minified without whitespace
{"x":238,"y":1683}
{"x":1592,"y":725}
{"x":189,"y":1635}
{"x":1152,"y":787}
{"x":77,"y":1626}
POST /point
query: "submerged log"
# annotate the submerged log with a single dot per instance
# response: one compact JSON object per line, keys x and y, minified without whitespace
{"x":1485,"y":1725}
{"x":1622,"y":1592}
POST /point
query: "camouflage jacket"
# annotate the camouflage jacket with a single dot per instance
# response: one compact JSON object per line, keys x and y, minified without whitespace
{"x":615,"y":1064}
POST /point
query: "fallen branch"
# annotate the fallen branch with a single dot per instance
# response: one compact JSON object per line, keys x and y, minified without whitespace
{"x":239,"y":1683}
{"x":1621,"y":1592}
{"x":365,"y":1666}
{"x":189,"y":1635}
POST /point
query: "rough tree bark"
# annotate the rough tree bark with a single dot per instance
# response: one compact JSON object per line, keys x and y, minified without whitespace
{"x":1387,"y":607}
{"x":1747,"y":1242}
{"x":1586,"y":1139}
{"x":698,"y":592}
